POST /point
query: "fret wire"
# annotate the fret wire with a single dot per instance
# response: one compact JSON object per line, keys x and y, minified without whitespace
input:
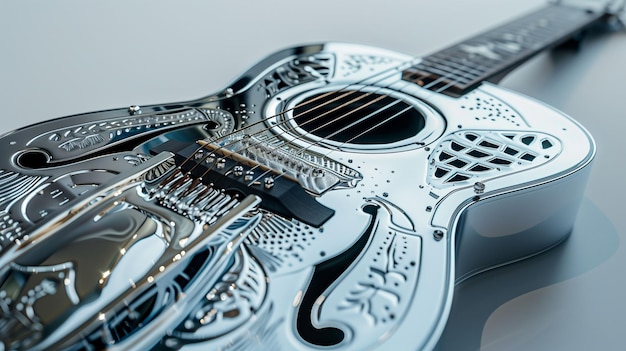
{"x":528,"y":33}
{"x":439,"y":71}
{"x":447,"y":68}
{"x":431,"y":81}
{"x":436,"y":68}
{"x":461,"y":61}
{"x":455,"y":62}
{"x":456,"y":68}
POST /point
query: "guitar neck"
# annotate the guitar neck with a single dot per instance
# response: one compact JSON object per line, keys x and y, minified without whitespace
{"x":488,"y":56}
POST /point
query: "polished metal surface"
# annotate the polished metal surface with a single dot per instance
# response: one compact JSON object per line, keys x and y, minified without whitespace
{"x":116,"y":249}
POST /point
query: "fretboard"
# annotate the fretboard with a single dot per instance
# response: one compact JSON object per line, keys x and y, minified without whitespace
{"x":487,"y":56}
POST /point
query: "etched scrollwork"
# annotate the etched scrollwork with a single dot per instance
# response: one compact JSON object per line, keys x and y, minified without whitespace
{"x":95,"y":264}
{"x":223,"y":121}
{"x":356,"y":63}
{"x":84,"y":136}
{"x":40,"y":294}
{"x":59,"y":279}
{"x":378,"y":297}
{"x":14,"y":185}
{"x":11,"y":230}
{"x":301,"y":70}
{"x":229,"y":304}
{"x":70,"y":141}
{"x":373,"y":295}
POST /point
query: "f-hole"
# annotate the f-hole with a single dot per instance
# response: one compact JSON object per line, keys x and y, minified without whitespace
{"x":32,"y":159}
{"x":324,"y":275}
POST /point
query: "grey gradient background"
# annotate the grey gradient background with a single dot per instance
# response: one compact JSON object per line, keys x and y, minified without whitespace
{"x":64,"y":57}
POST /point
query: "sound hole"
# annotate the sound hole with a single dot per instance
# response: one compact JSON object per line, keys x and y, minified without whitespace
{"x":358,"y":117}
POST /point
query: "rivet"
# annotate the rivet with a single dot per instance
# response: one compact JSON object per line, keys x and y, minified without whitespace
{"x":438,"y":234}
{"x":134,"y":110}
{"x":249,"y":176}
{"x":479,"y":187}
{"x":318,"y":172}
{"x":211,"y":158}
{"x":198,"y":155}
{"x":238,"y":171}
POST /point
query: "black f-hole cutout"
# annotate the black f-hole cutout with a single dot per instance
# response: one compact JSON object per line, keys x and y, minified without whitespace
{"x":324,"y":275}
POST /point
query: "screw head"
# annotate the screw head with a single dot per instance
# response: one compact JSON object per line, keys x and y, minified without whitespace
{"x":134,"y":110}
{"x":438,"y":234}
{"x":238,"y":171}
{"x":479,"y":187}
{"x":268,"y":183}
{"x":249,"y":176}
{"x":318,"y":172}
{"x":210,"y":158}
{"x":198,"y":155}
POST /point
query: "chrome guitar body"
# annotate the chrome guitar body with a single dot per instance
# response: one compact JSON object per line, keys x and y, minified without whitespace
{"x":322,"y":201}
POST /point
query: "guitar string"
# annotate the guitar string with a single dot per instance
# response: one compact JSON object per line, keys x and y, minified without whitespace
{"x":222,"y":137}
{"x":312,"y":131}
{"x":223,"y":146}
{"x":392,"y":69}
{"x":429,"y":93}
{"x":283,"y":112}
{"x":300,"y":136}
{"x":458,"y":74}
{"x":234,"y":132}
{"x":440,"y":79}
{"x":455,"y":73}
{"x":397,"y":114}
{"x":256,"y":180}
{"x":287,"y":120}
